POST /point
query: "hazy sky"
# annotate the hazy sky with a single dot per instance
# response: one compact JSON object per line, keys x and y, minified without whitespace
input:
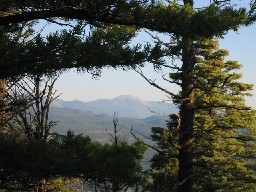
{"x":242,"y":47}
{"x":112,"y":83}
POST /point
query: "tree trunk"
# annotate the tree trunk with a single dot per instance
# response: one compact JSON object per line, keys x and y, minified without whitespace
{"x":2,"y":95}
{"x":185,"y":156}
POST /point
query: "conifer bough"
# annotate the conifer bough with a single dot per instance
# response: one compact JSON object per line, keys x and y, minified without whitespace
{"x":170,"y":18}
{"x":162,"y":17}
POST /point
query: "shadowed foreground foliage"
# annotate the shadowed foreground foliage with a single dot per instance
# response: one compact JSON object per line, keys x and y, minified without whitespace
{"x":26,"y":163}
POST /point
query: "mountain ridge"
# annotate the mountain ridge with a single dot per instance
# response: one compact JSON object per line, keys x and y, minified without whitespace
{"x":124,"y":105}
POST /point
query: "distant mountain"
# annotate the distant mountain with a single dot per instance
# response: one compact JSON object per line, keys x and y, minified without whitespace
{"x":125,"y":106}
{"x":95,"y":125}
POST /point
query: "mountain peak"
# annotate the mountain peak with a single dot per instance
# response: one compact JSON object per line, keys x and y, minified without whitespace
{"x":129,"y":97}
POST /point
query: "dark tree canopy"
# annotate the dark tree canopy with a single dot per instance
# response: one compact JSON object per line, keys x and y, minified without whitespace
{"x":163,"y":17}
{"x":25,"y":163}
{"x":107,"y":46}
{"x":67,"y":49}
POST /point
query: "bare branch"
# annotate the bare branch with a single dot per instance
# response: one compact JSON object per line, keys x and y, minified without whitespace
{"x":157,"y":39}
{"x":172,"y":82}
{"x":59,"y":23}
{"x":29,"y":106}
{"x":151,"y":82}
{"x":150,"y":146}
{"x":171,"y":67}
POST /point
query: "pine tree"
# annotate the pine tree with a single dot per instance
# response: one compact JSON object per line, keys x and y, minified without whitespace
{"x":224,"y":126}
{"x":164,"y":163}
{"x":223,"y":148}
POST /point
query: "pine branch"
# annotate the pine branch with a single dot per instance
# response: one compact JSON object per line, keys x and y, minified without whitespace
{"x":222,"y":106}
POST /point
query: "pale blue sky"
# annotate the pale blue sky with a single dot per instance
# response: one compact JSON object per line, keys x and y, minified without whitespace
{"x":241,"y":44}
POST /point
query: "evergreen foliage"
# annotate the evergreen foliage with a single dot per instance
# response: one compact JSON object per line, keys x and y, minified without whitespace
{"x":108,"y":44}
{"x":25,"y":164}
{"x":224,"y":129}
{"x":69,"y":49}
{"x":163,"y":16}
{"x":224,"y":126}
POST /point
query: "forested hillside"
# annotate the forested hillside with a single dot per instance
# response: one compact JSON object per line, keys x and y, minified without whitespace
{"x":95,"y":126}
